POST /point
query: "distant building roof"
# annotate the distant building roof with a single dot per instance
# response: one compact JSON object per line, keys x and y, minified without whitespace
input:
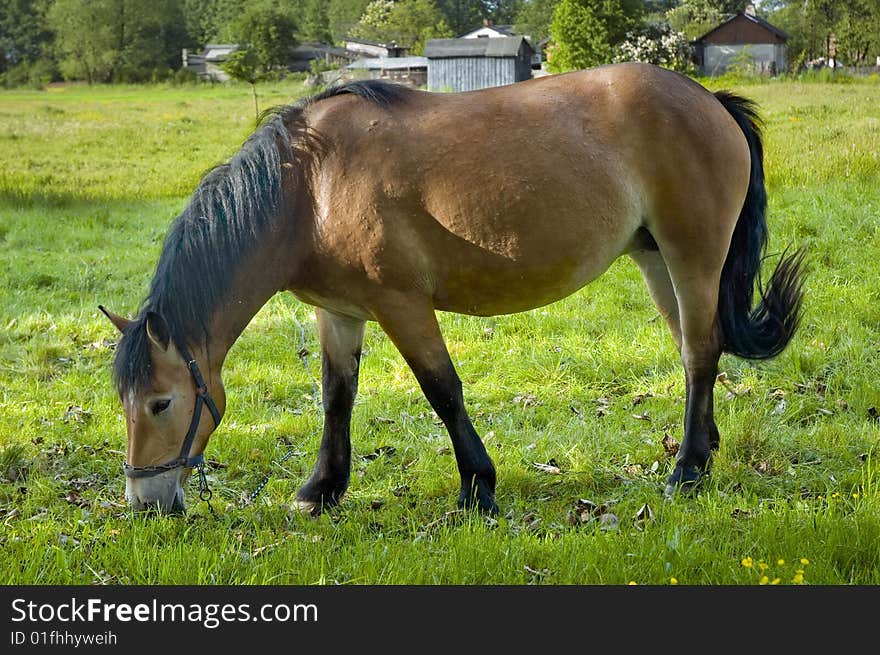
{"x":351,"y":39}
{"x":748,"y":20}
{"x":389,"y":63}
{"x":219,"y":51}
{"x":313,"y":49}
{"x":373,"y":49}
{"x":488,"y":30}
{"x":507,"y":46}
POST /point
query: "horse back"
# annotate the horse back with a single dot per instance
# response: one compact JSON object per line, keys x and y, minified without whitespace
{"x":504,"y":199}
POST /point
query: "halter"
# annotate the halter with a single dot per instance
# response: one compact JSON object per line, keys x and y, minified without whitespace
{"x":184,"y":459}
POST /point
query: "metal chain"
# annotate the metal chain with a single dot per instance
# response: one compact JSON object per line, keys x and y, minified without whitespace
{"x":205,"y":492}
{"x":259,"y":488}
{"x":303,"y":354}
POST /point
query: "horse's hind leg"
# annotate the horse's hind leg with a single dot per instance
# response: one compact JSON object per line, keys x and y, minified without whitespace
{"x":412,"y":325}
{"x":694,"y":279}
{"x":341,"y":340}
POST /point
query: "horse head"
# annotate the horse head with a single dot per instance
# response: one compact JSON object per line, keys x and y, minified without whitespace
{"x":163,"y":393}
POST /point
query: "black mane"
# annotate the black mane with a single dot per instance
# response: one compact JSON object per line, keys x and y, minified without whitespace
{"x":227,"y":214}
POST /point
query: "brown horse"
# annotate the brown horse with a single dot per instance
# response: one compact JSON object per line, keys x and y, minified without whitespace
{"x":374,"y":202}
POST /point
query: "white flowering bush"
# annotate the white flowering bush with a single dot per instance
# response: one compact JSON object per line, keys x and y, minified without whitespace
{"x":658,"y":45}
{"x":375,"y":16}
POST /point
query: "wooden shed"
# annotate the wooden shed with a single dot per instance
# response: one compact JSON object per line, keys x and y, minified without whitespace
{"x":742,"y":36}
{"x":209,"y":64}
{"x":477,"y":63}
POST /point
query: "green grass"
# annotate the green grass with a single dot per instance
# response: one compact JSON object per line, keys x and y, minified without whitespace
{"x":90,"y":178}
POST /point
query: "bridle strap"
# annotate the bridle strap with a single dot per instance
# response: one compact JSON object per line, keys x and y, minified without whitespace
{"x":184,"y":459}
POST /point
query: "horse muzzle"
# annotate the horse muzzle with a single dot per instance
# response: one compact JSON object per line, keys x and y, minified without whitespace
{"x":162,"y":492}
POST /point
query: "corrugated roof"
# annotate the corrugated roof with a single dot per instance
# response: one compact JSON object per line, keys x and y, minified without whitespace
{"x":502,"y":46}
{"x":389,"y":63}
{"x":219,"y":51}
{"x":319,"y":47}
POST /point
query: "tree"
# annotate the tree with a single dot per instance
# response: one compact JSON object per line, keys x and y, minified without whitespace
{"x":206,"y":20}
{"x":244,"y":66}
{"x":858,"y":31}
{"x":821,"y":17}
{"x":534,"y":18}
{"x":813,"y":26}
{"x":696,"y":17}
{"x":501,"y":12}
{"x":82,"y":58}
{"x":580,"y":39}
{"x":116,"y":40}
{"x":410,"y":23}
{"x":315,"y":22}
{"x":24,"y":32}
{"x":462,"y":16}
{"x":269,"y":33}
{"x":344,"y":15}
{"x":585,"y":32}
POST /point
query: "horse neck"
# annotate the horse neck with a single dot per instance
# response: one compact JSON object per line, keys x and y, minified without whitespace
{"x":259,"y":277}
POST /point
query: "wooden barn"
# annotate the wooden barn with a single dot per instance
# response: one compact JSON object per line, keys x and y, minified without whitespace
{"x":763,"y":44}
{"x":477,"y":63}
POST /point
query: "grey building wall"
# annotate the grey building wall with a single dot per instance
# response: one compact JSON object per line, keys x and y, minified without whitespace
{"x":471,"y":73}
{"x":768,"y":57}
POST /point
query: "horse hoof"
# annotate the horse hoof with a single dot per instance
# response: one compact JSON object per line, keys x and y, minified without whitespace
{"x":483,"y":506}
{"x":684,"y":480}
{"x":483,"y":502}
{"x":319,"y":494}
{"x":314,"y":507}
{"x":308,"y":507}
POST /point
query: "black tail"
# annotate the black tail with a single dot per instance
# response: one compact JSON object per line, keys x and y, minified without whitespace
{"x":763,"y":331}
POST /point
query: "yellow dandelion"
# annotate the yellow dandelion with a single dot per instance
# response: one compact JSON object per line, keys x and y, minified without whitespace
{"x":804,"y":561}
{"x":775,"y":581}
{"x":673,"y":580}
{"x":764,"y":580}
{"x":762,"y":566}
{"x":780,"y":562}
{"x":632,"y":582}
{"x":856,"y":495}
{"x":747,"y":562}
{"x":798,"y":578}
{"x":835,"y":495}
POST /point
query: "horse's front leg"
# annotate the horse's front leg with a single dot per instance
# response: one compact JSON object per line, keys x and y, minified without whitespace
{"x":412,"y":325}
{"x":341,"y":340}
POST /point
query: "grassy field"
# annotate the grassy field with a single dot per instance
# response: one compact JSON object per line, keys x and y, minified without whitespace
{"x":573,"y":400}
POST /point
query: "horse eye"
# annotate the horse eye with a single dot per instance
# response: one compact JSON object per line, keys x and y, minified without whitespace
{"x":160,"y":406}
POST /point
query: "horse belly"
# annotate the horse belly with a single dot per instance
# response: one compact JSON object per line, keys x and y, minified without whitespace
{"x":499,"y":256}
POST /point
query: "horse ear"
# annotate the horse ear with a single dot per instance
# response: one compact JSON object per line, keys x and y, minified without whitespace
{"x":158,"y":332}
{"x":117,"y":320}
